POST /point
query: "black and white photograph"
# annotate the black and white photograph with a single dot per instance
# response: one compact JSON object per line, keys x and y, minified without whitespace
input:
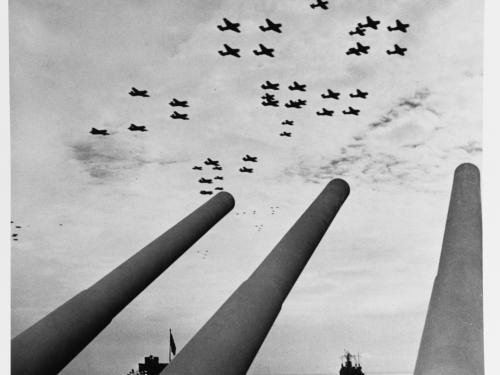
{"x":233,"y":187}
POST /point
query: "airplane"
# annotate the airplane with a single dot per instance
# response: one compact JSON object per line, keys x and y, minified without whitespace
{"x":358,"y":31}
{"x":270,"y":102}
{"x":325,"y":112}
{"x":179,"y":103}
{"x":295,"y":104}
{"x":320,"y":3}
{"x":285,"y":134}
{"x":297,"y":87}
{"x":217,"y":168}
{"x":268,"y":96}
{"x":205,"y":192}
{"x":205,"y":181}
{"x":246,"y":170}
{"x":359,"y":94}
{"x":271,"y":26}
{"x":369,"y":23}
{"x":270,"y":86}
{"x":179,"y":116}
{"x":230,"y":51}
{"x":219,"y":188}
{"x":218,"y":178}
{"x":397,"y":51}
{"x":250,"y":158}
{"x":264,"y":51}
{"x":228,"y":25}
{"x":399,"y":27}
{"x":135,"y":128}
{"x":99,"y":132}
{"x":211,"y":162}
{"x":358,"y":50}
{"x":351,"y":111}
{"x":331,"y":95}
{"x":135,"y":92}
{"x":197,"y":168}
{"x":287,"y":122}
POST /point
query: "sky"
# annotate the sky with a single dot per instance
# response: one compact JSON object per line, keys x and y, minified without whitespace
{"x":86,"y":203}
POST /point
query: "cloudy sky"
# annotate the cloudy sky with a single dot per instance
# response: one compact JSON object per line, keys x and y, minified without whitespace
{"x":86,"y":203}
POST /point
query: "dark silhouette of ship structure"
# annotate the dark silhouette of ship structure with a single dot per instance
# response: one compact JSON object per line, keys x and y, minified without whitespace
{"x":151,"y":366}
{"x":347,"y":366}
{"x":236,"y":331}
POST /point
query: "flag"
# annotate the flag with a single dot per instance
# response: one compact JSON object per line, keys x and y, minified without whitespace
{"x":172,"y":344}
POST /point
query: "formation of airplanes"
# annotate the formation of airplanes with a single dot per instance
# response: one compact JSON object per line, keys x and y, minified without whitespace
{"x":136,"y":92}
{"x":270,"y":99}
{"x":215,"y":164}
{"x":373,"y":24}
{"x":179,"y":103}
{"x":262,"y":50}
{"x":235,"y":26}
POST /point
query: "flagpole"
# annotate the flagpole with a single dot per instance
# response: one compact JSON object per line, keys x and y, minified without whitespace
{"x":169,"y":346}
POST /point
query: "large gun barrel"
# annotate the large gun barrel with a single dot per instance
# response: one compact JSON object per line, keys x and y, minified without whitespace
{"x":229,"y":341}
{"x":452,"y":340}
{"x":51,"y":343}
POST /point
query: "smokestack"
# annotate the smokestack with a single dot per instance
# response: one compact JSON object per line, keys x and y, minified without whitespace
{"x":452,"y":340}
{"x":229,"y":341}
{"x":51,"y":343}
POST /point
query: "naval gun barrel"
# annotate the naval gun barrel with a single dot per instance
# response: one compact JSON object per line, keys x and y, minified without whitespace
{"x":50,"y":344}
{"x":452,"y":340}
{"x":229,"y":341}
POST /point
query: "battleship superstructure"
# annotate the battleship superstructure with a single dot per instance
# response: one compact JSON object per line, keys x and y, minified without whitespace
{"x":347,"y":367}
